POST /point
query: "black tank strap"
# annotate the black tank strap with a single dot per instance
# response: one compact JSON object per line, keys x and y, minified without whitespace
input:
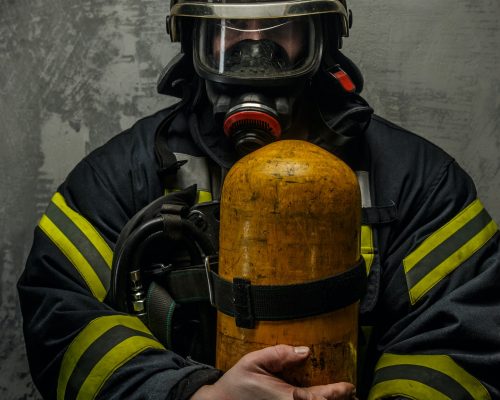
{"x":249,"y":303}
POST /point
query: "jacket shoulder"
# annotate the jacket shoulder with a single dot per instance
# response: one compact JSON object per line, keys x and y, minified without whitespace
{"x":404,"y":166}
{"x":131,"y":148}
{"x":391,"y":139}
{"x":117,"y":179}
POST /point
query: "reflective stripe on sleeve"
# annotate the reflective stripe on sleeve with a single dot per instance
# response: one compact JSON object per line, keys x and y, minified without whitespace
{"x":104,"y":345}
{"x":447,"y":248}
{"x":367,"y":248}
{"x":80,"y":242}
{"x":423,"y":377}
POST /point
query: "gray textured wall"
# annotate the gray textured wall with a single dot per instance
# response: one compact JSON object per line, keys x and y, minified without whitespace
{"x":74,"y":73}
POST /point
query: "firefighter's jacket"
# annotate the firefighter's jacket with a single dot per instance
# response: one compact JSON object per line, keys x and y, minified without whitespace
{"x":431,"y":251}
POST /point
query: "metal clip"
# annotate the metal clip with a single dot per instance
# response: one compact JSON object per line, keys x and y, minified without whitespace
{"x":137,"y":296}
{"x":210,"y":283}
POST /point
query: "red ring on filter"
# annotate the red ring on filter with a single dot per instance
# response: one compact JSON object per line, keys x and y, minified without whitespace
{"x":254,"y":119}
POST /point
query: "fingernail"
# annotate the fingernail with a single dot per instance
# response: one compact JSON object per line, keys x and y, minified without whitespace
{"x":301,"y":349}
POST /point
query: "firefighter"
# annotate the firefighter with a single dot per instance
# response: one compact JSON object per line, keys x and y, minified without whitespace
{"x":249,"y":74}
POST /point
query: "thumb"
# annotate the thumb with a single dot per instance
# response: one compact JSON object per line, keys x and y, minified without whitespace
{"x":277,"y":358}
{"x":302,"y":394}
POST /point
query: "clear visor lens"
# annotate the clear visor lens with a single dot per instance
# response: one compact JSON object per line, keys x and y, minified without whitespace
{"x":263,"y":48}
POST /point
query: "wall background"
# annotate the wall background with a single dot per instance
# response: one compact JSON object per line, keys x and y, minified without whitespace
{"x":75,"y":72}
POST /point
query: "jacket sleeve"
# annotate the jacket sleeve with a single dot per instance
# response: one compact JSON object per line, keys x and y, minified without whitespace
{"x":79,"y":347}
{"x":439,"y":307}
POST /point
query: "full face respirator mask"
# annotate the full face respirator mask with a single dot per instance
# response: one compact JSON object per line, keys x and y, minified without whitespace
{"x":255,"y":71}
{"x":258,"y":62}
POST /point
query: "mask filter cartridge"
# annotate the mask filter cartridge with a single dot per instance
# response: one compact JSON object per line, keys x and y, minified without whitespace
{"x":251,"y":126}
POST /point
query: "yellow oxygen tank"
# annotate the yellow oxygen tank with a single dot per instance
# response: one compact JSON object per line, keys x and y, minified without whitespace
{"x":291,"y":213}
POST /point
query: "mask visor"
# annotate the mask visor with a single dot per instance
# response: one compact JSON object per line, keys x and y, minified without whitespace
{"x":257,"y":48}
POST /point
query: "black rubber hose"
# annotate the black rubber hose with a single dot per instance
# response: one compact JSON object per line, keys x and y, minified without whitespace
{"x":129,"y":255}
{"x":122,"y":262}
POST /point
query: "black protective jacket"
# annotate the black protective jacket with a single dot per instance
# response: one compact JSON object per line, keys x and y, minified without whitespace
{"x":431,"y":249}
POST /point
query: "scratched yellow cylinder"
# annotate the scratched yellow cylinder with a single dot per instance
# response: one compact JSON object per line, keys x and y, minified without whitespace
{"x":291,"y":213}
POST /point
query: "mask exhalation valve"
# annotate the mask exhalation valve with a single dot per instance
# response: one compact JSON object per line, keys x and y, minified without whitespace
{"x":251,"y":126}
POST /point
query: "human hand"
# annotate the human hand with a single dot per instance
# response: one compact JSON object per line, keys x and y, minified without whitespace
{"x":253,"y":378}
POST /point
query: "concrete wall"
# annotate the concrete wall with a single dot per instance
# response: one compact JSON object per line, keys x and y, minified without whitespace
{"x":74,"y":73}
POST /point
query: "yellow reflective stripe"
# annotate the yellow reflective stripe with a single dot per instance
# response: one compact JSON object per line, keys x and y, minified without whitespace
{"x":447,"y":248}
{"x":86,"y":227}
{"x":441,"y":363}
{"x":367,"y":249}
{"x":407,"y":388}
{"x":85,"y":338}
{"x":204,"y":196}
{"x":74,"y":256}
{"x":443,"y":234}
{"x":452,"y":262}
{"x":113,"y":360}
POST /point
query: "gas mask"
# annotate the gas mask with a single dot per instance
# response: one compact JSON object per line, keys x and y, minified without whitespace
{"x":269,"y":67}
{"x":255,"y":72}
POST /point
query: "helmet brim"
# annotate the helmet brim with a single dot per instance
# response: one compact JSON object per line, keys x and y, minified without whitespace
{"x":258,"y":10}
